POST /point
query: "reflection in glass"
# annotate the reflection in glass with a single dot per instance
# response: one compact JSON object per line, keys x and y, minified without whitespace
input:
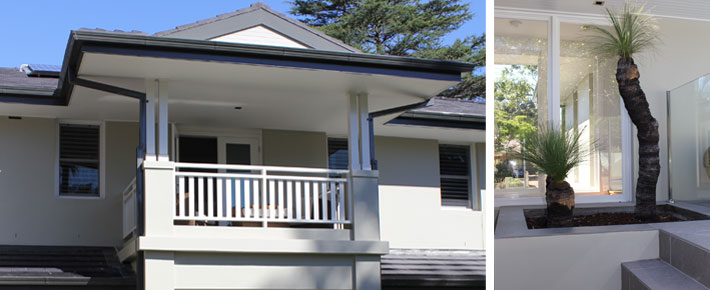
{"x":520,"y":101}
{"x":590,"y":104}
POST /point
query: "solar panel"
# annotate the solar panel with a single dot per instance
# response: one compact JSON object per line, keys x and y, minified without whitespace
{"x":47,"y":70}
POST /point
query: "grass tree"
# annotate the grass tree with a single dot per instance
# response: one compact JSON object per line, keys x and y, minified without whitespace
{"x":555,"y":152}
{"x":633,"y":32}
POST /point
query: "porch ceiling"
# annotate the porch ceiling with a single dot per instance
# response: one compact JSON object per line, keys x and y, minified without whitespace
{"x":683,"y":9}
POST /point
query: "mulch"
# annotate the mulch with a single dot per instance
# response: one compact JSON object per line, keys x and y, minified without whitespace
{"x":602,"y":219}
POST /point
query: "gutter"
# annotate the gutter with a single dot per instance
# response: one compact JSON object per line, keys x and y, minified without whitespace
{"x":206,"y":50}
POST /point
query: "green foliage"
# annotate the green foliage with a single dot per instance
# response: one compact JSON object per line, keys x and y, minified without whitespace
{"x":401,"y":27}
{"x":394,"y":27}
{"x":632,"y":32}
{"x":515,"y":106}
{"x":554,"y":151}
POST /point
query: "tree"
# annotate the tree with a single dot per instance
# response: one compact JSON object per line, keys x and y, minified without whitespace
{"x":515,"y":106}
{"x":633,"y":32}
{"x":555,"y":152}
{"x":403,"y":28}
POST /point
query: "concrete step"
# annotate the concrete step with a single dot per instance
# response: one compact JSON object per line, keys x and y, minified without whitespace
{"x":655,"y":274}
{"x":686,"y":246}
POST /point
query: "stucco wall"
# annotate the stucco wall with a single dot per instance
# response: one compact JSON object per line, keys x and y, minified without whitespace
{"x":563,"y":262}
{"x":411,"y":214}
{"x":295,"y":148}
{"x":32,"y":214}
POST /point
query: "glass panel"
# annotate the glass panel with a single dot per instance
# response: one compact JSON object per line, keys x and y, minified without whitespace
{"x":590,"y":104}
{"x":79,"y":178}
{"x":520,"y":101}
{"x":238,"y":154}
{"x":689,"y":140}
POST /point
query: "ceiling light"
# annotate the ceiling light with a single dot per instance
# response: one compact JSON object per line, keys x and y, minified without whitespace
{"x":238,"y":108}
{"x":599,"y":3}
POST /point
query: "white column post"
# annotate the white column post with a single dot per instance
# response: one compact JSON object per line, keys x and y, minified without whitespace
{"x":364,"y":132}
{"x":163,"y":121}
{"x":354,"y":132}
{"x":151,"y":89}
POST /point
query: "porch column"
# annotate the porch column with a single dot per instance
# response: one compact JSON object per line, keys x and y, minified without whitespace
{"x":365,"y":194}
{"x":163,"y":121}
{"x":358,"y":132}
{"x":151,"y":90}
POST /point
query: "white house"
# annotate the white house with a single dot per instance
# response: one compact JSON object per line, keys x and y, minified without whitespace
{"x":244,"y":151}
{"x":575,"y":86}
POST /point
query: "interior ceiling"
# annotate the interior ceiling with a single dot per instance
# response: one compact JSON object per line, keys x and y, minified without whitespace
{"x":687,"y":9}
{"x":205,"y":94}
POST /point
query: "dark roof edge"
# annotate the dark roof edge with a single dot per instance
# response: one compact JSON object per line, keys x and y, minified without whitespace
{"x":156,"y":42}
{"x":79,"y":39}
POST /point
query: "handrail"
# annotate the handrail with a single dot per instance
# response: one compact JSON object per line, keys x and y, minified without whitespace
{"x":259,"y":167}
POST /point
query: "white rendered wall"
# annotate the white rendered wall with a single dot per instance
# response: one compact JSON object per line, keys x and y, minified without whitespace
{"x":411,"y":214}
{"x":563,"y":262}
{"x":31,"y":213}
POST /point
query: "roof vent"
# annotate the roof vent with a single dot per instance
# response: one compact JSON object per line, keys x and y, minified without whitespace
{"x":41,"y":70}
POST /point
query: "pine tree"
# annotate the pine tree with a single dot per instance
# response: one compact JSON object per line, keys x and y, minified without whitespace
{"x":403,"y":28}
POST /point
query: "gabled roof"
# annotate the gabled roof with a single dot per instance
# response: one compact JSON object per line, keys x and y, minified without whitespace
{"x":255,"y":15}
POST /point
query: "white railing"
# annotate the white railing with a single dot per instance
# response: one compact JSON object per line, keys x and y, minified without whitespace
{"x":129,"y":208}
{"x":263,"y":194}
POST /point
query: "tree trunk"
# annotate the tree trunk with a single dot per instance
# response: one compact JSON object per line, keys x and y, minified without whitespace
{"x":560,"y":203}
{"x":627,"y":76}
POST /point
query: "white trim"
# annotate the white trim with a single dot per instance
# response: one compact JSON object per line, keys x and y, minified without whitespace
{"x":102,"y":158}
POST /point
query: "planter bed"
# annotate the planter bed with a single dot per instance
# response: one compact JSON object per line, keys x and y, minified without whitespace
{"x":604,"y":216}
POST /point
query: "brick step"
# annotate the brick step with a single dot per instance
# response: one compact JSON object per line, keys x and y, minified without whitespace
{"x":655,"y":274}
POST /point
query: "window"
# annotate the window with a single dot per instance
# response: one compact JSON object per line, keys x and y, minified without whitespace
{"x":555,"y":79}
{"x":337,"y":153}
{"x":455,"y":174}
{"x":79,"y":160}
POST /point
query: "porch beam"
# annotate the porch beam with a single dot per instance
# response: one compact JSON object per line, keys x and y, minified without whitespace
{"x":151,"y":89}
{"x":163,"y":121}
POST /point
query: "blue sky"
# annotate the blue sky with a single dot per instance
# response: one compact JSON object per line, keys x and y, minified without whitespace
{"x":37,"y":31}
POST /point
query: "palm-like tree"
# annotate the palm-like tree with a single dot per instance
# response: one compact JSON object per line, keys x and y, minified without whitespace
{"x":555,"y":152}
{"x":632,"y":32}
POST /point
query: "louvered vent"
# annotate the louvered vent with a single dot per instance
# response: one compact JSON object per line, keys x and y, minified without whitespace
{"x":337,"y":153}
{"x":79,"y":160}
{"x":454,"y":166}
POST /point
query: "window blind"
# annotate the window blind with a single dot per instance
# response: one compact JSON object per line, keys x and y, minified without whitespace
{"x":79,"y":155}
{"x":455,"y":172}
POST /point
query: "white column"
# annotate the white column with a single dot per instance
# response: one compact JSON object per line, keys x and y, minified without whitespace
{"x":151,"y":90}
{"x":364,"y":132}
{"x":354,"y":132}
{"x":163,"y":121}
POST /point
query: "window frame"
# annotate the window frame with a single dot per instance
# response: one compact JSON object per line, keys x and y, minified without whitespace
{"x":102,"y":160}
{"x":553,"y":19}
